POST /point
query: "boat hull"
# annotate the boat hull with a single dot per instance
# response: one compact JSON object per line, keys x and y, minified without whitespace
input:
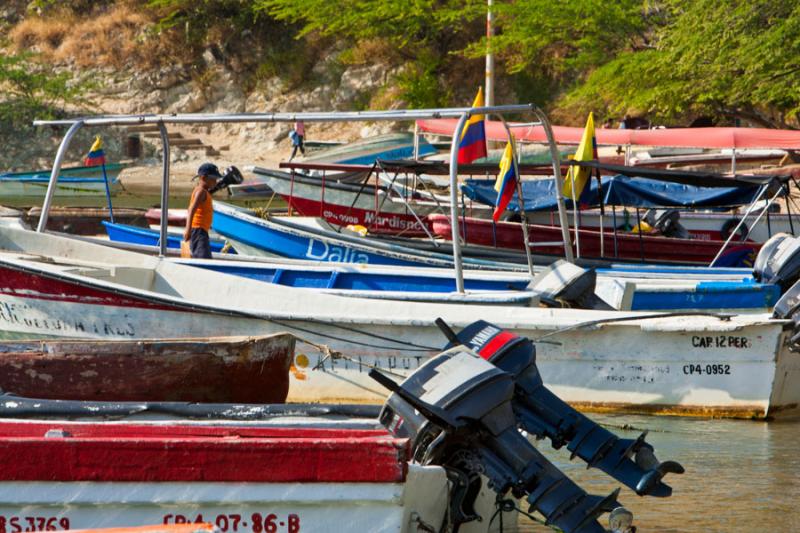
{"x":253,"y":236}
{"x":642,"y":367}
{"x":627,"y":246}
{"x":682,"y":364}
{"x":136,"y":235}
{"x":347,"y":204}
{"x":222,"y":370}
{"x":73,"y":181}
{"x":701,"y":226}
{"x":121,"y":474}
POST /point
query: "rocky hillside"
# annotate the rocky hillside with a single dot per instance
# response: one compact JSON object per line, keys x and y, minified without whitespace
{"x":127,"y":68}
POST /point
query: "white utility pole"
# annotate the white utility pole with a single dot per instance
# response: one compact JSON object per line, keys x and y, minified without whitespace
{"x":489,"y":57}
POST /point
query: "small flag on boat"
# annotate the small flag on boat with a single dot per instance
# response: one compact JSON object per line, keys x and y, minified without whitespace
{"x":577,"y":176}
{"x":506,"y":182}
{"x":96,"y":155}
{"x":472,"y":144}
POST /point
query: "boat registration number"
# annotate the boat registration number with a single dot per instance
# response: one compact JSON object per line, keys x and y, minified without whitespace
{"x":231,"y":522}
{"x":721,"y":341}
{"x":17,"y":524}
{"x":707,"y":370}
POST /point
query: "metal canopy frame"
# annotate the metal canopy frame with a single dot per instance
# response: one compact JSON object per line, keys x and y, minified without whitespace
{"x":161,"y":120}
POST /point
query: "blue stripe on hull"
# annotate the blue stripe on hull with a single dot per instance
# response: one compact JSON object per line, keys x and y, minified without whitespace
{"x":360,"y":281}
{"x":135,"y":235}
{"x":708,"y":295}
{"x":297,"y":247}
{"x":271,"y":238}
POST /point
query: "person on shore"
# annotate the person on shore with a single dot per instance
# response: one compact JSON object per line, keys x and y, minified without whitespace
{"x":297,"y":136}
{"x":198,"y":219}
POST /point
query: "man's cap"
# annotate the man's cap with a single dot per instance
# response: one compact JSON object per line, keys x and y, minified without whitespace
{"x":210,"y":170}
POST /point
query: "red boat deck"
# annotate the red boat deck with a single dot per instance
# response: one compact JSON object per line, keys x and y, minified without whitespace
{"x":74,"y":451}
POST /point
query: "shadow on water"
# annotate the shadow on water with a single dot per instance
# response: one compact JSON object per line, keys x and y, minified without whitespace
{"x":740,"y":475}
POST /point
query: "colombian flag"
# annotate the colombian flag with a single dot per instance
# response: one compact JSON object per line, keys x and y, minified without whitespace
{"x":473,"y":139}
{"x":587,"y":150}
{"x":506,"y":182}
{"x":96,"y":155}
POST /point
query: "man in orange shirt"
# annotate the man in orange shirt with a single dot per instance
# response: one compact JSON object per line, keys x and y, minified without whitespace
{"x":201,"y":212}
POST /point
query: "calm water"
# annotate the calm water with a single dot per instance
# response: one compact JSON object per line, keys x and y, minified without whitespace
{"x":740,"y":475}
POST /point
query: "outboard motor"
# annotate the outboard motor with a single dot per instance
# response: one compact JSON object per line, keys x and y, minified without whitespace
{"x":542,"y":414}
{"x":232,"y":176}
{"x":778,"y":261}
{"x":566,"y":283}
{"x":667,"y":223}
{"x":456,"y":410}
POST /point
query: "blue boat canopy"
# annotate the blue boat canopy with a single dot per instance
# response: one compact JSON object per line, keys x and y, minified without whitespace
{"x":540,"y":195}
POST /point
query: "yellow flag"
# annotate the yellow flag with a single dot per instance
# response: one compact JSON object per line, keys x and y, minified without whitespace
{"x":587,"y":150}
{"x":97,"y":145}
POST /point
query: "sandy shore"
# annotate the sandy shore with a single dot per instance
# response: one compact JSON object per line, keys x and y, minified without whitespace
{"x":146,"y":179}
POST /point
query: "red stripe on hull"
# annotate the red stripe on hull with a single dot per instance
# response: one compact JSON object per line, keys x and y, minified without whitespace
{"x":629,"y":246}
{"x":138,"y":453}
{"x":391,"y":223}
{"x":23,"y":284}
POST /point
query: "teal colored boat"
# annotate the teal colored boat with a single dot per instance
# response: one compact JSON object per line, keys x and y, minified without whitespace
{"x":72,"y":181}
{"x":366,"y":151}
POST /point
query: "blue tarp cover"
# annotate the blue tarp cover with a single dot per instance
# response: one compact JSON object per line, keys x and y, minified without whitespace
{"x":539,"y":195}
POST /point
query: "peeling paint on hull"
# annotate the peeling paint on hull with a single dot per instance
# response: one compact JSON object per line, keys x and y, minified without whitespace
{"x":222,"y":370}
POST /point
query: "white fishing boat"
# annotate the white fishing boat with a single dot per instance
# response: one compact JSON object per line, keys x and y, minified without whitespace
{"x":385,"y":208}
{"x":691,"y":363}
{"x":680,"y":363}
{"x":310,"y":476}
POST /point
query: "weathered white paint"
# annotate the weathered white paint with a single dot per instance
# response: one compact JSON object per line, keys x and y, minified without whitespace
{"x":623,"y":363}
{"x":319,"y":507}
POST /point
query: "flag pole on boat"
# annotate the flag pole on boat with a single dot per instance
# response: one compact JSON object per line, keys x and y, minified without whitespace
{"x":162,"y":238}
{"x":520,"y":199}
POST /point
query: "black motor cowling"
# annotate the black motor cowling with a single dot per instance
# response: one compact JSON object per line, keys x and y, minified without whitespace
{"x":457,"y":411}
{"x":667,"y":223}
{"x":778,"y":261}
{"x":542,"y":414}
{"x":232,"y":176}
{"x":566,"y":284}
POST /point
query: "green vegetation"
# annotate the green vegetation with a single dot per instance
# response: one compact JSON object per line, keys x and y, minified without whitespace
{"x":726,"y":59}
{"x":669,"y":60}
{"x":420,"y":38}
{"x":31,"y":90}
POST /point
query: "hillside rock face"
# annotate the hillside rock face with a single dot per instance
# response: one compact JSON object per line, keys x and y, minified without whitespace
{"x":173,"y":90}
{"x":180,"y":89}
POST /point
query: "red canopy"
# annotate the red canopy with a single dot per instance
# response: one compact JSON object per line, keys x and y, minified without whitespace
{"x":682,"y":137}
